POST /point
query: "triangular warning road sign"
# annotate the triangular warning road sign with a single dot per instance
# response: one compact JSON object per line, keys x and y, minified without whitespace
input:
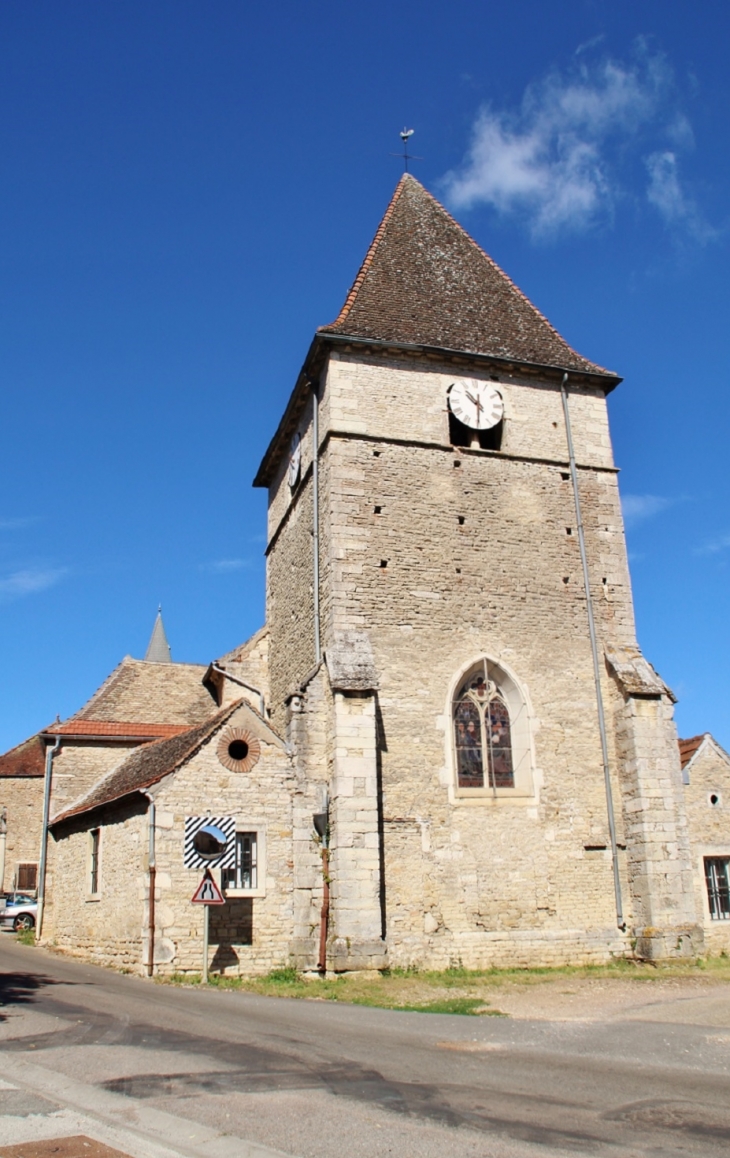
{"x":207,"y":892}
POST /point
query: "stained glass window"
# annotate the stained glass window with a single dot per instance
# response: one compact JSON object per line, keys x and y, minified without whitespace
{"x":482,"y":734}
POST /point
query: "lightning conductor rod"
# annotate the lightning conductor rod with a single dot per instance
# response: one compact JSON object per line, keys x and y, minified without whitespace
{"x":596,"y":665}
{"x":315,"y":519}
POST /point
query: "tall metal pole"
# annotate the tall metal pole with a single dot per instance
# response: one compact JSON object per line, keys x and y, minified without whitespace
{"x":315,"y":528}
{"x":206,"y":930}
{"x":596,"y":664}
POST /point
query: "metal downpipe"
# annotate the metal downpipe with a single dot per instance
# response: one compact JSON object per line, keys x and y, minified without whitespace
{"x":596,"y":663}
{"x":152,"y":867}
{"x":315,"y":519}
{"x":50,"y":753}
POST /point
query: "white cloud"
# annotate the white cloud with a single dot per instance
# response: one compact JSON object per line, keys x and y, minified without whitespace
{"x":16,"y":524}
{"x":665,"y":193}
{"x":637,"y":508}
{"x":223,"y":566}
{"x":559,"y":158}
{"x":29,"y":581}
{"x":714,"y":546}
{"x":592,"y":43}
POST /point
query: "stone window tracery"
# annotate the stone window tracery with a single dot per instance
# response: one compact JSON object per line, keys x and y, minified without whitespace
{"x":490,"y":734}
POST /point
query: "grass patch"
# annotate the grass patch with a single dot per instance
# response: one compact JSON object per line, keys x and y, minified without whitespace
{"x":467,"y":992}
{"x":25,"y":936}
{"x":466,"y":1006}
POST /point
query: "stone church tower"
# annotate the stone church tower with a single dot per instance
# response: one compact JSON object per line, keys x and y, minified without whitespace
{"x":503,"y":788}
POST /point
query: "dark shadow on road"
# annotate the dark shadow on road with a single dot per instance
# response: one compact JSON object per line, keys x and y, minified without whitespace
{"x":21,"y":989}
{"x":559,"y":1118}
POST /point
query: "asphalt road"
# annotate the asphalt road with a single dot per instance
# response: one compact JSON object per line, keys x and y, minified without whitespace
{"x":160,"y":1071}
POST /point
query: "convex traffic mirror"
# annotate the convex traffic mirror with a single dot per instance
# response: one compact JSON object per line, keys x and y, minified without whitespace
{"x":209,"y":842}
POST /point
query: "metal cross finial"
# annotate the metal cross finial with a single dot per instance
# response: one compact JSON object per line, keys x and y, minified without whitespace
{"x":405,"y":135}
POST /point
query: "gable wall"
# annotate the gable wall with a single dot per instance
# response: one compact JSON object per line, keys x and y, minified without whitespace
{"x":709,"y":773}
{"x":77,"y":767}
{"x":261,"y":798}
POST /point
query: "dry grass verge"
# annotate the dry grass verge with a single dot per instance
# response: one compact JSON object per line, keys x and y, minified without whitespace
{"x":467,"y":991}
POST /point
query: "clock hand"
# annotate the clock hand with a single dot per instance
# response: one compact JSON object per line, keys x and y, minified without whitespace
{"x":476,"y":401}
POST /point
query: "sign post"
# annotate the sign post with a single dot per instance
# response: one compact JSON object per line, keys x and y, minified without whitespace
{"x":207,"y":894}
{"x":206,"y":931}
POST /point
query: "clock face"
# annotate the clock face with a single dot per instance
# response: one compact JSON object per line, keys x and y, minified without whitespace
{"x":295,"y":460}
{"x":475,"y":403}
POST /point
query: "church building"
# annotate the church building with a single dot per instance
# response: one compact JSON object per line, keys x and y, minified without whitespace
{"x":446,"y":723}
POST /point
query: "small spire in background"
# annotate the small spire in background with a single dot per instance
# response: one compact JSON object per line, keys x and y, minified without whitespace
{"x":158,"y":649}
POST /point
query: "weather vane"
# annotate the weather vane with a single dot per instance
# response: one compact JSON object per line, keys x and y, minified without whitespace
{"x":405,"y":136}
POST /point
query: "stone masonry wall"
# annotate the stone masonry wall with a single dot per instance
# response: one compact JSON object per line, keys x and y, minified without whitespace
{"x":656,"y":829}
{"x":290,"y":603}
{"x":481,"y":558}
{"x":77,"y":767}
{"x":355,"y":857}
{"x":22,"y":797}
{"x":251,"y":934}
{"x":709,"y":825}
{"x":311,"y":735}
{"x":107,"y":928}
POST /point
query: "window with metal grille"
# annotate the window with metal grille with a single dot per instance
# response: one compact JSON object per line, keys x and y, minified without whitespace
{"x":245,"y":873}
{"x":26,"y":878}
{"x":95,"y":835}
{"x":718,"y":887}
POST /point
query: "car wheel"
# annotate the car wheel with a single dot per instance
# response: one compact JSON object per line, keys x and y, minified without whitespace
{"x":24,"y":921}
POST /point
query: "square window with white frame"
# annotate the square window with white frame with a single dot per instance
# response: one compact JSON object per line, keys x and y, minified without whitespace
{"x":244,"y":876}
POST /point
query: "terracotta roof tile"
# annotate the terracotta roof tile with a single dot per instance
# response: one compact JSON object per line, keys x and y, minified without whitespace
{"x":91,"y":728}
{"x":425,"y":281}
{"x":687,"y":748}
{"x":26,"y":759}
{"x":147,"y":764}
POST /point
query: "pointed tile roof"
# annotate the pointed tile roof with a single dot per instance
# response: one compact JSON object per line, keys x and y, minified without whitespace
{"x":148,"y":764}
{"x":688,"y":748}
{"x":426,"y":286}
{"x":158,"y":649}
{"x":151,"y":693}
{"x":425,"y":281}
{"x":26,"y":759}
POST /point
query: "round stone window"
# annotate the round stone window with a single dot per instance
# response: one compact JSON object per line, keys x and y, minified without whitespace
{"x":238,"y":749}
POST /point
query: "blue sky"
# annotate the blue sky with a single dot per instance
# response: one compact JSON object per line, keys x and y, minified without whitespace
{"x":188,"y":189}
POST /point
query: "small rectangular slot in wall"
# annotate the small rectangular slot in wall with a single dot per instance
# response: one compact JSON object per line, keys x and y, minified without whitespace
{"x":569,"y":530}
{"x":595,"y":847}
{"x":564,"y":476}
{"x":461,"y":520}
{"x":376,"y":454}
{"x":456,"y":462}
{"x":383,"y":562}
{"x":377,"y":510}
{"x":566,"y":578}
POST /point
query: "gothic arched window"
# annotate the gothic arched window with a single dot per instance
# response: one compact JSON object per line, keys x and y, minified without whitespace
{"x":491,"y":734}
